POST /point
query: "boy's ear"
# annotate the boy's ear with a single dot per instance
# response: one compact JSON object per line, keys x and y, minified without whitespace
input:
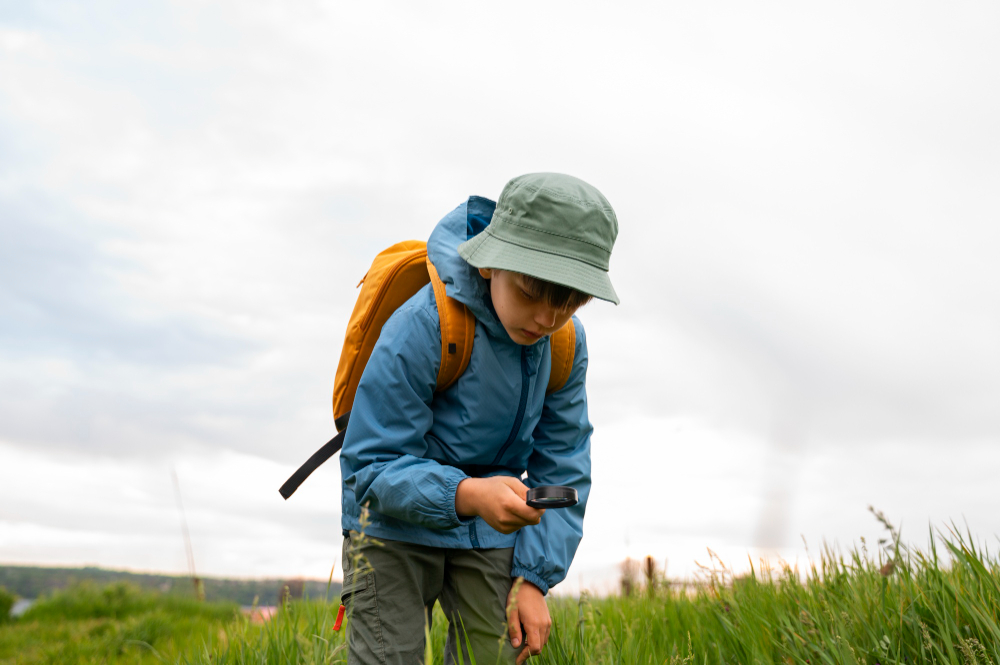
{"x":486,"y":273}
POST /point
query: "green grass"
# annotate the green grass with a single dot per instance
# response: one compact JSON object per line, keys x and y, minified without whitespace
{"x":894,"y":606}
{"x":6,"y":603}
{"x":114,"y":624}
{"x":939,"y":606}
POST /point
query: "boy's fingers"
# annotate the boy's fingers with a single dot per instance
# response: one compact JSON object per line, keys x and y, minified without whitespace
{"x":519,"y":488}
{"x":525,"y":512}
{"x":523,"y":656}
{"x":528,"y":514}
{"x":534,"y":641}
{"x":514,"y":629}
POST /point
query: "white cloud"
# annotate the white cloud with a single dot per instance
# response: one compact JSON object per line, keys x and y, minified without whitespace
{"x":806,"y":259}
{"x":83,"y":509}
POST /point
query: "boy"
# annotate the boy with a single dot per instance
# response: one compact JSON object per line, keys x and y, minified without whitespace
{"x":440,"y":472}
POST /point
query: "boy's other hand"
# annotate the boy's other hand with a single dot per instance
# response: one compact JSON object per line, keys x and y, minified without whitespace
{"x":530,"y":610}
{"x":500,"y":500}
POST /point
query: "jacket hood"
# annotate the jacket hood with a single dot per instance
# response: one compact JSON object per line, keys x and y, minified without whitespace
{"x":462,"y":281}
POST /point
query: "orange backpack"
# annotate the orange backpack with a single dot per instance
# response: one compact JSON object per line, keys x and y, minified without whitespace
{"x":397,"y":273}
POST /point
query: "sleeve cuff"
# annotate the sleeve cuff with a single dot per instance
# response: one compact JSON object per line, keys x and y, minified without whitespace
{"x":531,"y":577}
{"x":450,"y":488}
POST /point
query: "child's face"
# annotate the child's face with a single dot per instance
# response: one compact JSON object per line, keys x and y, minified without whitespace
{"x":525,"y":317}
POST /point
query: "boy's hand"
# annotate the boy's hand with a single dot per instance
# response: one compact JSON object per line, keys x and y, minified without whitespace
{"x":530,"y":610}
{"x":500,"y":500}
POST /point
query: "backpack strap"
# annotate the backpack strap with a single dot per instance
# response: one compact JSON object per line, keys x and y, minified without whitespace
{"x":458,"y":328}
{"x":563,"y":346}
{"x":320,"y":456}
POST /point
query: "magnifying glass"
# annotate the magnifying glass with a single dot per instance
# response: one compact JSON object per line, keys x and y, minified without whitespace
{"x":552,"y":496}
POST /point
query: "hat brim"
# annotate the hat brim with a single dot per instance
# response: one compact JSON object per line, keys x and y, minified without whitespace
{"x":487,"y":251}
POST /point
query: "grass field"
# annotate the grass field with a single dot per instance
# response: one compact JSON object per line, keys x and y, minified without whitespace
{"x":895,"y":605}
{"x":118,"y":623}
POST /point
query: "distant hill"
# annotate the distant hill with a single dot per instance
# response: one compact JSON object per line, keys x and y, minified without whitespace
{"x":34,"y":581}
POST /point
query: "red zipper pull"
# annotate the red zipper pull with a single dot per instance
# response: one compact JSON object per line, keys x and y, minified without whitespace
{"x":340,"y":618}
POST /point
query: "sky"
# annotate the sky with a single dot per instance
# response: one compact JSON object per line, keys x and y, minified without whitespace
{"x":810,"y":296}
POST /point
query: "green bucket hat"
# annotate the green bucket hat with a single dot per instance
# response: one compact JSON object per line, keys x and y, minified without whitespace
{"x":553,"y":227}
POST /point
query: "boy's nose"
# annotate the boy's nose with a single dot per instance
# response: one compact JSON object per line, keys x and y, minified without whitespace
{"x":546,"y":316}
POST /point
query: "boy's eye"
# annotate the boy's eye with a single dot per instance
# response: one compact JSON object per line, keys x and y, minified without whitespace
{"x":527,"y":296}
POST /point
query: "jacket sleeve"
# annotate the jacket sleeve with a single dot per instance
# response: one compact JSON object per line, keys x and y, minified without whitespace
{"x":561,"y":456}
{"x":385,"y":440}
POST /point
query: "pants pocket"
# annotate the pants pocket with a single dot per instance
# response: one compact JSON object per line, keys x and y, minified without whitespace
{"x":353,"y":585}
{"x":364,"y":627}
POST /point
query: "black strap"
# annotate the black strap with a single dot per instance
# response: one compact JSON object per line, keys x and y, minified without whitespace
{"x":320,"y":456}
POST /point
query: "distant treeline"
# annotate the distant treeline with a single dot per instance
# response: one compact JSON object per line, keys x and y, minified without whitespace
{"x":33,"y":581}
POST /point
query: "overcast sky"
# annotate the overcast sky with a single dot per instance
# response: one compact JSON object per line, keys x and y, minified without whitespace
{"x":809,"y":224}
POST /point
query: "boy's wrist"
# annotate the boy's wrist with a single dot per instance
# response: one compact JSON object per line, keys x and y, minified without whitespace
{"x":466,"y":497}
{"x":531,"y":577}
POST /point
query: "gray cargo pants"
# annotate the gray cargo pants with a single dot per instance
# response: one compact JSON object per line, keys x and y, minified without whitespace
{"x":387,"y":601}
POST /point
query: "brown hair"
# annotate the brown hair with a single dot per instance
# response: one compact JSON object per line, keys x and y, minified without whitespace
{"x":556,"y":295}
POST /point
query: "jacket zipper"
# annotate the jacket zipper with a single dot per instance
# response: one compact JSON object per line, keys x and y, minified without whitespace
{"x":520,"y":407}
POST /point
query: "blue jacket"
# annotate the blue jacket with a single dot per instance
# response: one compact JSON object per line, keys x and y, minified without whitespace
{"x":407,"y":448}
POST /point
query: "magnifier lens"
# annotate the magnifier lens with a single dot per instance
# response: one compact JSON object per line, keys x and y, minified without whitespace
{"x":552,"y":496}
